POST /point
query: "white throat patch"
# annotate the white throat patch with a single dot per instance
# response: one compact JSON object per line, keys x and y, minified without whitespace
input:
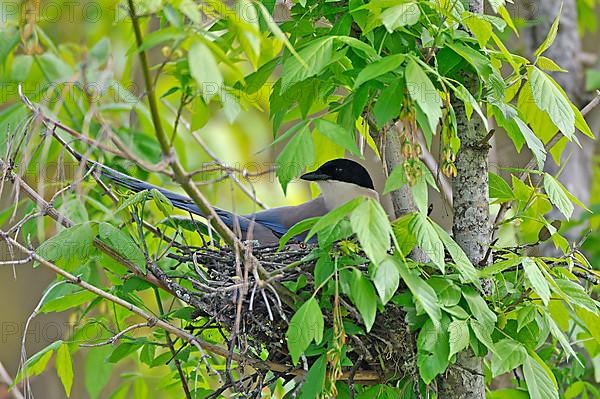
{"x":336,"y":193}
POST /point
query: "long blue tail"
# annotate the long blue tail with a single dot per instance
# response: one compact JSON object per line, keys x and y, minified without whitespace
{"x":178,"y":200}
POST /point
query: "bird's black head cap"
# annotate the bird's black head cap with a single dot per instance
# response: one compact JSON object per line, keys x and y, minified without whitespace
{"x":344,"y":170}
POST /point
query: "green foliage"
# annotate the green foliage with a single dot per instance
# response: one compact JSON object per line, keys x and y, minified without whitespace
{"x":305,"y":326}
{"x":333,"y":72}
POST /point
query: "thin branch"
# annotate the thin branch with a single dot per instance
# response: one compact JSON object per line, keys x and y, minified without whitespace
{"x":6,"y":377}
{"x":221,"y":166}
{"x":124,"y":152}
{"x":49,"y":210}
{"x":250,"y":193}
{"x":184,"y":384}
{"x":119,"y":335}
{"x":180,"y":175}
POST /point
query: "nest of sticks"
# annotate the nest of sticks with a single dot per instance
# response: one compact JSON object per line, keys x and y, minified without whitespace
{"x":386,"y":352}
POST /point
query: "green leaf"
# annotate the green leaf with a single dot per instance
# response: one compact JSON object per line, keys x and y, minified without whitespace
{"x":533,"y":142}
{"x":338,"y":135}
{"x":500,"y":266}
{"x":386,"y":279}
{"x":289,"y":133}
{"x":448,"y":293}
{"x":70,"y":248}
{"x":37,"y":363}
{"x":550,"y":99}
{"x":296,"y":229}
{"x":404,"y":237}
{"x":388,"y":103}
{"x":147,"y":353}
{"x":314,"y":381}
{"x":433,"y":351}
{"x":420,"y":193}
{"x":574,"y":294}
{"x":529,"y":112}
{"x":364,"y":297}
{"x":471,"y":104}
{"x":558,"y":195}
{"x":405,"y":14}
{"x":316,"y":56}
{"x":536,"y":279}
{"x":483,"y":333}
{"x":370,"y":224}
{"x":324,"y":269}
{"x":101,"y":50}
{"x":97,"y":370}
{"x":123,"y":350}
{"x":525,"y":315}
{"x":162,"y":202}
{"x":424,"y":93}
{"x":305,"y":327}
{"x":508,"y":393}
{"x":333,"y":217}
{"x":8,"y":40}
{"x":378,"y":68}
{"x":122,"y":243}
{"x":541,"y":383}
{"x":55,"y":68}
{"x":428,"y":240}
{"x":509,"y":355}
{"x":67,"y":301}
{"x":551,"y":35}
{"x":561,"y":337}
{"x":21,"y":67}
{"x":467,"y":271}
{"x":64,"y":368}
{"x":479,"y":61}
{"x":591,"y":321}
{"x":248,"y":35}
{"x":296,"y":156}
{"x":499,"y":188}
{"x":135,"y":199}
{"x":422,"y":292}
{"x":368,"y":51}
{"x":548,"y":65}
{"x":274,"y":28}
{"x":581,"y":124}
{"x":496,"y":4}
{"x":122,"y":392}
{"x":479,"y":27}
{"x":504,"y":115}
{"x":153,"y":39}
{"x":396,"y":179}
{"x":507,"y":19}
{"x":459,"y":337}
{"x":205,"y":70}
{"x":479,"y":308}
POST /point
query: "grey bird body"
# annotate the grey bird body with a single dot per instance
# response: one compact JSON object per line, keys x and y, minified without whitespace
{"x":340,"y":180}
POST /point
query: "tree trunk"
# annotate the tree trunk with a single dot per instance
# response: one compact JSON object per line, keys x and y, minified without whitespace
{"x":471,"y":229}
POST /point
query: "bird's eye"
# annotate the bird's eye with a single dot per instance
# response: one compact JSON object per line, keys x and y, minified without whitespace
{"x":338,"y":170}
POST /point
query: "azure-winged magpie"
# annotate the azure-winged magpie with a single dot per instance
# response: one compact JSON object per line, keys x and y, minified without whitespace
{"x":340,"y":181}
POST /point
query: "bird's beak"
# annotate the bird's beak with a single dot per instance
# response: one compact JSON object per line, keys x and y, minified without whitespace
{"x":314,"y":176}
